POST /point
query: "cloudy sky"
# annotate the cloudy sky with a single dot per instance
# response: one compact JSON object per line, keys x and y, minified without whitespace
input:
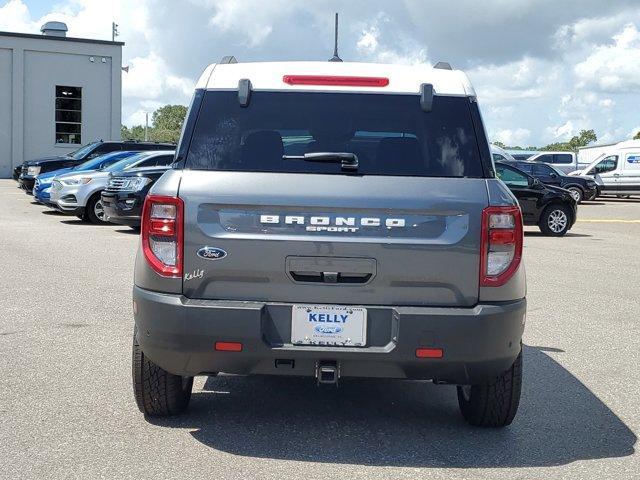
{"x":543,"y":69}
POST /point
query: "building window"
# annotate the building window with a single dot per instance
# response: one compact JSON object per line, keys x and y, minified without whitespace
{"x":68,"y":114}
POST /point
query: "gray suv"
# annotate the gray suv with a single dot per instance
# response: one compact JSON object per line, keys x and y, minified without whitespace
{"x":331,"y":220}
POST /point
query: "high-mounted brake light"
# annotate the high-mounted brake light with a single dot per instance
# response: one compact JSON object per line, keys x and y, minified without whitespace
{"x":336,"y":80}
{"x":162,"y":234}
{"x":501,"y":245}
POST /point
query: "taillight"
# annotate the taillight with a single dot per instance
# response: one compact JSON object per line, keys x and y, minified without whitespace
{"x":501,"y":245}
{"x":333,"y":80}
{"x":162,"y":234}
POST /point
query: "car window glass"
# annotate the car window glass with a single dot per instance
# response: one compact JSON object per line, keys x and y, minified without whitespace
{"x":511,"y":176}
{"x":543,"y":170}
{"x":149,"y":162}
{"x":107,"y":147}
{"x":546,"y":158}
{"x":389,"y":134}
{"x":606,"y":165}
{"x":526,"y":167}
{"x":498,"y":158}
{"x":563,"y":158}
{"x":164,"y":160}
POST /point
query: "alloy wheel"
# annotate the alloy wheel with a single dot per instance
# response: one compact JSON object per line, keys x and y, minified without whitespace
{"x":98,"y":210}
{"x":557,"y":221}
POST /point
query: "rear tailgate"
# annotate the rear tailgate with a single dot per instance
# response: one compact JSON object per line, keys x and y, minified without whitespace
{"x":334,"y":239}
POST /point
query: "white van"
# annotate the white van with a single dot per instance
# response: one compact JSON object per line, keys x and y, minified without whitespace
{"x":616,"y":172}
{"x":563,"y":161}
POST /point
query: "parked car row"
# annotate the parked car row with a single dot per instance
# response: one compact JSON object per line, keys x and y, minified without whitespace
{"x":548,"y":198}
{"x":615,"y":172}
{"x":102,"y":182}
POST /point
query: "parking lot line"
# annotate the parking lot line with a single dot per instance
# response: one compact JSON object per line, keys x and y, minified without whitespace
{"x":605,"y":220}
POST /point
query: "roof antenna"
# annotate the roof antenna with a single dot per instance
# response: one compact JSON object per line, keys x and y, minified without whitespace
{"x":335,"y":57}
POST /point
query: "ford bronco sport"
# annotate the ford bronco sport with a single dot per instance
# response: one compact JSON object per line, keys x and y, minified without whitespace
{"x":331,"y":220}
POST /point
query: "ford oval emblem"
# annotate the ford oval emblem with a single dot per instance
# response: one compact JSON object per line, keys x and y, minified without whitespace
{"x":211,"y":253}
{"x":328,"y":329}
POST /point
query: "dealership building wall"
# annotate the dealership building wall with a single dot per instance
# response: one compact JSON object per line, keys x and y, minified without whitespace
{"x":35,"y":70}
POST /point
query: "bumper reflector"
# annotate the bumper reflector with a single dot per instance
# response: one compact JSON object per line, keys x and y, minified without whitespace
{"x":228,"y":346}
{"x":429,"y":353}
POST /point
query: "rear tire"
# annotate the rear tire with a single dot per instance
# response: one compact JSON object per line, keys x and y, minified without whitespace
{"x":555,"y":220}
{"x":158,"y":393}
{"x":493,"y":404}
{"x":94,"y":210}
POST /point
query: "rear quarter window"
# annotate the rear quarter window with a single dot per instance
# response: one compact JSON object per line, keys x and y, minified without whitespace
{"x":562,"y":158}
{"x":390,"y":134}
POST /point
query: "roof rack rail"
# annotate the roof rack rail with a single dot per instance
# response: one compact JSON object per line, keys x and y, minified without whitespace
{"x":228,"y":59}
{"x":443,"y":66}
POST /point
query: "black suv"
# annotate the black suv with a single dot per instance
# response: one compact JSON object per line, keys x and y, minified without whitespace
{"x":124,"y":196}
{"x":552,"y":209}
{"x":32,"y":168}
{"x":580,"y":188}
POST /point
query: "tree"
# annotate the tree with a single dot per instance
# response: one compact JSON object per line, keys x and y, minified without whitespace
{"x":584,"y":138}
{"x":134,"y":133}
{"x":167,"y":122}
{"x":166,"y":125}
{"x":637,"y":136}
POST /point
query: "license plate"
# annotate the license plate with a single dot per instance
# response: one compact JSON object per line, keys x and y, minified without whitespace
{"x":328,"y":325}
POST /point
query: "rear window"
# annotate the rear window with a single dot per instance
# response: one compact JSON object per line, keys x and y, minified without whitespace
{"x":389,"y":134}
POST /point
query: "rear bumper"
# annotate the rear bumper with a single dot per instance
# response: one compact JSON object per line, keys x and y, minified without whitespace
{"x":179,"y":334}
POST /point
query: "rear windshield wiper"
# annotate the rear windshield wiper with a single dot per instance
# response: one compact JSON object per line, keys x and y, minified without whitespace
{"x":348,"y":161}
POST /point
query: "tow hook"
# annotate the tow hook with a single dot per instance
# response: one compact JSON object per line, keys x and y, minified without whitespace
{"x":327,"y":372}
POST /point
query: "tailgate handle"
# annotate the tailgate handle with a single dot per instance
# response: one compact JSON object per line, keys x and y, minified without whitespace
{"x":331,"y":270}
{"x":331,"y":277}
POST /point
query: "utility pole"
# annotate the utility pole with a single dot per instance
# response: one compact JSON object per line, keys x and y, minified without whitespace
{"x":114,"y":31}
{"x":146,"y":127}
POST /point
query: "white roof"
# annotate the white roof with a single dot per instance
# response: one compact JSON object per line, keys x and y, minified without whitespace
{"x":402,"y":78}
{"x":628,"y":144}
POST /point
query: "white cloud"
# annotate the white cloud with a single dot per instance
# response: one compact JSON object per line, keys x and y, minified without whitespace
{"x":150,"y":78}
{"x":560,"y":132}
{"x":14,"y":17}
{"x":376,"y":47}
{"x":519,"y":136}
{"x":614,"y":67}
{"x":527,"y":78}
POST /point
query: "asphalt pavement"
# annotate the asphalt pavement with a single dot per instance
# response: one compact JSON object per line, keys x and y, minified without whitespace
{"x":67,"y":409}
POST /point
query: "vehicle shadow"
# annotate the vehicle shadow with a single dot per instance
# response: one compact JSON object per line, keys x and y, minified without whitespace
{"x":128,"y":231}
{"x":53,"y":212}
{"x":403,"y":423}
{"x":78,"y":221}
{"x":536,"y":233}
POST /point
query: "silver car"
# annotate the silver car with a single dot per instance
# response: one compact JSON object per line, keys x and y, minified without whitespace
{"x":78,"y":193}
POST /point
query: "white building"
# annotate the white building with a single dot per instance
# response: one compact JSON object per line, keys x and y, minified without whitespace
{"x":56,"y":93}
